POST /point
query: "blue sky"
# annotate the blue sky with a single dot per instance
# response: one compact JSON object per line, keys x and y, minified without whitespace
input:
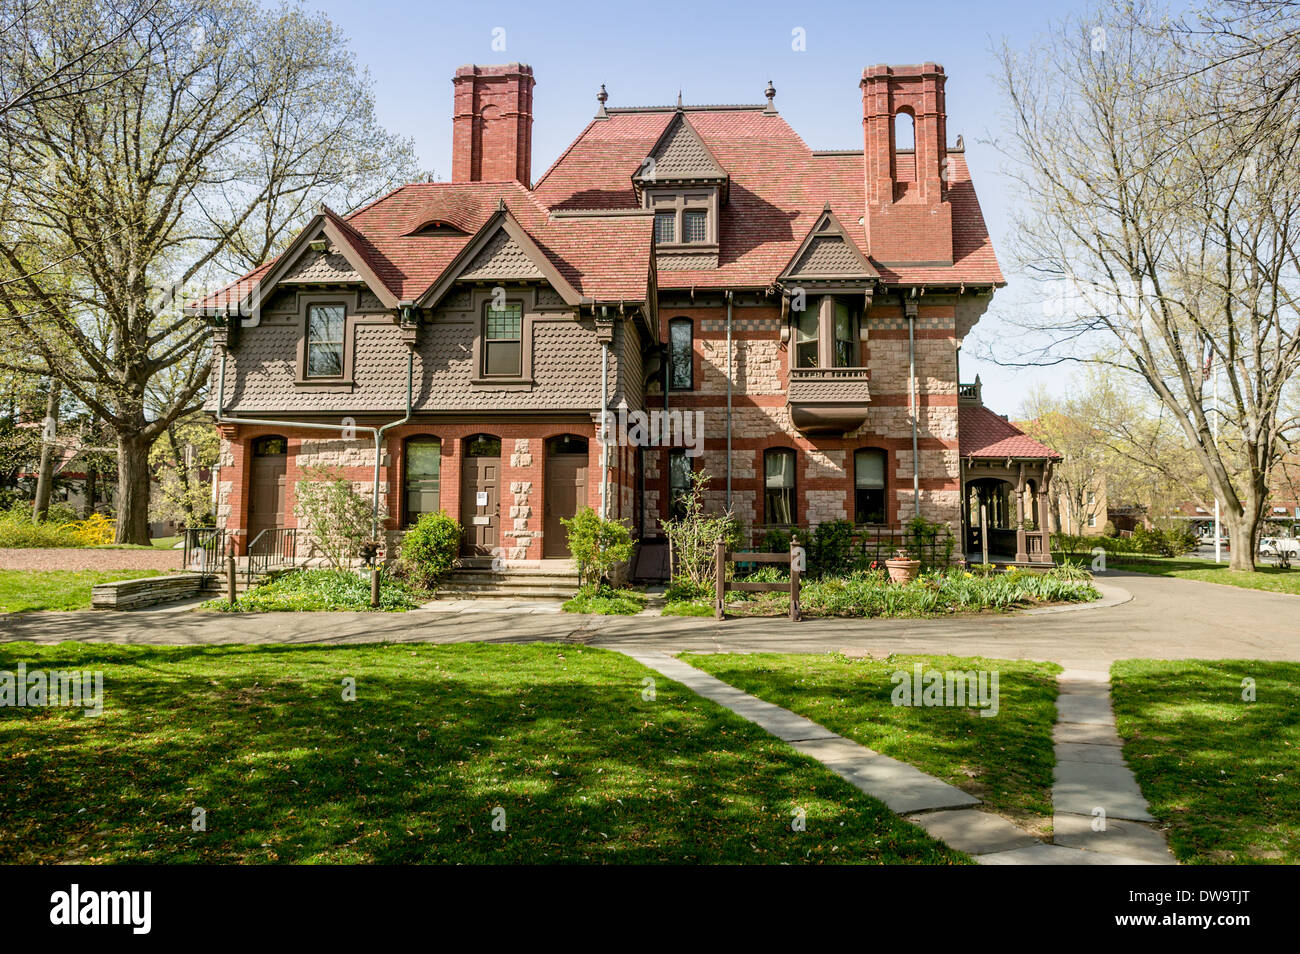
{"x":714,"y":52}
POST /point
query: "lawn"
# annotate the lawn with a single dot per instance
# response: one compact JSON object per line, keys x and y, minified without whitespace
{"x":22,"y":591}
{"x":1222,"y":773}
{"x":606,"y":601}
{"x":1006,"y":760}
{"x":1264,"y":578}
{"x":315,"y":591}
{"x":565,"y":746}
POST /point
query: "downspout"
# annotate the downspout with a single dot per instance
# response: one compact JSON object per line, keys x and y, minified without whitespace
{"x":729,"y":301}
{"x":376,"y":432}
{"x":605,"y":425}
{"x":912,"y":399}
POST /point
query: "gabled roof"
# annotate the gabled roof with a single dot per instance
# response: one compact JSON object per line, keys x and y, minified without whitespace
{"x":501,"y":251}
{"x":981,"y":433}
{"x":828,"y":254}
{"x":679,"y":155}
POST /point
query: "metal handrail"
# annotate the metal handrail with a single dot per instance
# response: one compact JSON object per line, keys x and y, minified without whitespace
{"x":271,"y":548}
{"x":204,"y":549}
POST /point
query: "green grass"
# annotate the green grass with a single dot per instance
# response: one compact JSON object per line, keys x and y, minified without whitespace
{"x":312,"y":591}
{"x":1221,"y":773}
{"x":562,"y":739}
{"x":687,"y":608}
{"x":606,"y":601}
{"x":1006,"y":760}
{"x":23,"y":591}
{"x":1268,"y":578}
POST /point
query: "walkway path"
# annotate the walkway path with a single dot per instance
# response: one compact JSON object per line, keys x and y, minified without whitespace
{"x":946,"y":812}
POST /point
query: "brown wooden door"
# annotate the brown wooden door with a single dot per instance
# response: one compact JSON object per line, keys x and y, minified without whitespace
{"x":566,"y":491}
{"x":266,"y":487}
{"x":480,"y":505}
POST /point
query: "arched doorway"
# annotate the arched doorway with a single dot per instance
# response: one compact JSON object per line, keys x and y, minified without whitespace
{"x":997,"y":499}
{"x":480,"y":501}
{"x":266,"y":484}
{"x":422,"y":464}
{"x":566,"y":490}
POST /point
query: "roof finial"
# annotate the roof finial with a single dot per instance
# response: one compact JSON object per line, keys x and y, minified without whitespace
{"x":679,"y":99}
{"x":770,"y":93}
{"x":602,"y":97}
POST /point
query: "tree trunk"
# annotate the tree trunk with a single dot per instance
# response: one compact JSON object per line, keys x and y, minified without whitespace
{"x":1241,"y":541}
{"x":45,"y":480}
{"x":92,"y":480}
{"x":133,"y":489}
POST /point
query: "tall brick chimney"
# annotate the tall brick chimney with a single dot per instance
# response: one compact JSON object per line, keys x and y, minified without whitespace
{"x":909,"y":217}
{"x":492,"y":123}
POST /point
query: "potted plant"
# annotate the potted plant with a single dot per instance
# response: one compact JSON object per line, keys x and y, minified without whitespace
{"x":902,"y":568}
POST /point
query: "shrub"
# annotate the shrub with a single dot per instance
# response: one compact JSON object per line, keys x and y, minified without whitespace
{"x":604,"y":600}
{"x":831,"y":549}
{"x":597,"y":545}
{"x":18,"y":530}
{"x":776,"y":541}
{"x":929,"y":542}
{"x":318,"y":591}
{"x":339,"y":518}
{"x":683,"y":588}
{"x":694,"y":538}
{"x":429,"y":549}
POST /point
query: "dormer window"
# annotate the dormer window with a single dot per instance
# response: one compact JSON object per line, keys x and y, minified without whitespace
{"x":686,"y":218}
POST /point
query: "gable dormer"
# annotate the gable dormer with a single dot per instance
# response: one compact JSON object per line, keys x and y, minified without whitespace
{"x":685,"y":186}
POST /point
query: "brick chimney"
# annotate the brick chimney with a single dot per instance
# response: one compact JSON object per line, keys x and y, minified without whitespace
{"x":909,"y":217}
{"x":492,"y":123}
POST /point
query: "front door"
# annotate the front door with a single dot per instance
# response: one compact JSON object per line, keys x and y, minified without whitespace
{"x":480,"y":504}
{"x":566,"y":490}
{"x":266,"y":486}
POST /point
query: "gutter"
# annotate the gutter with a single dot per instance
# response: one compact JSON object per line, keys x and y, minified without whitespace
{"x":376,"y":432}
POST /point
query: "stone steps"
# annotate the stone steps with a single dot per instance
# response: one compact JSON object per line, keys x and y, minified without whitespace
{"x":542,"y":582}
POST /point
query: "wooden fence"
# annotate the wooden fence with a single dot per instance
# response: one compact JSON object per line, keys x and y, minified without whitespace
{"x":795,"y":559}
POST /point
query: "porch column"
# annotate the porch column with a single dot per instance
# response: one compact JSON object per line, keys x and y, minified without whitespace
{"x":1045,"y":510}
{"x":1022,"y":556}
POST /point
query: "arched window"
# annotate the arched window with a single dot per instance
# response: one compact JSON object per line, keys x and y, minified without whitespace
{"x":681,"y":355}
{"x":270,"y":446}
{"x":423,"y":479}
{"x":483,"y":445}
{"x":905,"y":141}
{"x":869,"y":486}
{"x":779,"y":487}
{"x":679,"y":483}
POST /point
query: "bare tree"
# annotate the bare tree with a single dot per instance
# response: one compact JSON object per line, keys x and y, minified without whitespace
{"x":1170,"y":231}
{"x":225,"y":125}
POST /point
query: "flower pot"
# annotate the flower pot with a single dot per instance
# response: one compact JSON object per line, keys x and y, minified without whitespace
{"x":902,"y":568}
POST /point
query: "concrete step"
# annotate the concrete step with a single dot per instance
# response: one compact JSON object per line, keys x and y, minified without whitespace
{"x":510,"y":579}
{"x":470,"y":592}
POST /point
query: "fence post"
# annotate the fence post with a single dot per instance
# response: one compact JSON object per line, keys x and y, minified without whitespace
{"x":374,"y":588}
{"x":230,"y":579}
{"x":720,"y":580}
{"x":794,"y":580}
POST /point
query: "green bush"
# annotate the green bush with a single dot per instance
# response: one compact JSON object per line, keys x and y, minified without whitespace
{"x":429,"y":549}
{"x":684,"y":588}
{"x":602,"y":600}
{"x":18,"y":530}
{"x":597,"y":545}
{"x":318,"y":591}
{"x":775,"y":541}
{"x":830,"y":552}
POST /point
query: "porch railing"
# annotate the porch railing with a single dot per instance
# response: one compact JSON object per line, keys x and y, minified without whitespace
{"x":271,"y":549}
{"x":205,"y":548}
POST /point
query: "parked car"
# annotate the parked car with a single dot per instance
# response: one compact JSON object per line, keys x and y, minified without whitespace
{"x":1274,"y":546}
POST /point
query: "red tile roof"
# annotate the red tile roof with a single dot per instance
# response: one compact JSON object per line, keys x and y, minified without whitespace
{"x":981,"y":433}
{"x":778,"y":188}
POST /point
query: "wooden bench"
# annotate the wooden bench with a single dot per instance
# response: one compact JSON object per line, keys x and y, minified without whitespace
{"x":133,"y":594}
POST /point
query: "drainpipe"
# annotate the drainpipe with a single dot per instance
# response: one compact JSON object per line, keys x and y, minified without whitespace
{"x":912,"y":399}
{"x":376,"y":432}
{"x":729,"y":300}
{"x":604,"y":423}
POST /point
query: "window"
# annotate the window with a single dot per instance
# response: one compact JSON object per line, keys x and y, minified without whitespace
{"x":681,"y":355}
{"x":269,"y":446}
{"x":325,"y":324}
{"x":682,"y":219}
{"x":1092,"y":520}
{"x":869,"y":486}
{"x":423,"y":462}
{"x":695,"y":226}
{"x":778,"y":487}
{"x":503,"y":341}
{"x":845,"y":350}
{"x":807,"y":332}
{"x":665,"y":228}
{"x":679,"y":483}
{"x":482,"y":445}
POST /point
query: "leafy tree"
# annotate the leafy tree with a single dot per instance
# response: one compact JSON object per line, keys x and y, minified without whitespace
{"x":185,"y":450}
{"x":200,"y":141}
{"x":334,"y":513}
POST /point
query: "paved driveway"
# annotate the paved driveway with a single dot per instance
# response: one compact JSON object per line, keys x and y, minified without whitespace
{"x":1167,"y":618}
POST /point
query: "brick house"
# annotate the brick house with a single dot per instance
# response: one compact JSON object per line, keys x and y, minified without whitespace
{"x":788,"y":320}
